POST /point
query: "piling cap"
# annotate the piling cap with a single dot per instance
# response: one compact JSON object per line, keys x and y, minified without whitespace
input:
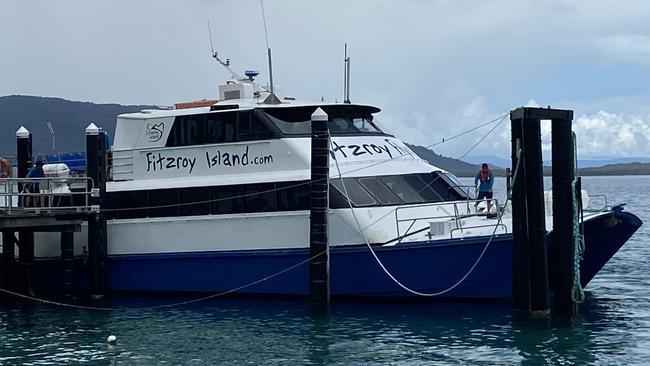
{"x":22,"y":133}
{"x":92,"y":129}
{"x":319,"y":115}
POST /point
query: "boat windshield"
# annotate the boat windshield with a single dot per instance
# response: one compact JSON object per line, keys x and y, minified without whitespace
{"x":343,"y":120}
{"x":391,"y":190}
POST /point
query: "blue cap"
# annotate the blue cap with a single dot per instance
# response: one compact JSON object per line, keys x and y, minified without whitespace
{"x":39,"y":162}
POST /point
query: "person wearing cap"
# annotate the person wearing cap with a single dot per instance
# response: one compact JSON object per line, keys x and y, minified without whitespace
{"x":32,"y":187}
{"x":486,"y":179}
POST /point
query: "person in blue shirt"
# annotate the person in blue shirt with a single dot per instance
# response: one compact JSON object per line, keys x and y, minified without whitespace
{"x":486,"y":179}
{"x":32,"y":187}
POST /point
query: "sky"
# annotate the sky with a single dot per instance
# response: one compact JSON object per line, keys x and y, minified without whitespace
{"x":434,"y":67}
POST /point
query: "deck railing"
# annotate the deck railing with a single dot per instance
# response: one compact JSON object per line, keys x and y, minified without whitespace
{"x":54,"y":194}
{"x":452,"y":212}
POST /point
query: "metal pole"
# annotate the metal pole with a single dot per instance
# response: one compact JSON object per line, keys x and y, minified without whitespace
{"x":270,"y":71}
{"x":319,"y":280}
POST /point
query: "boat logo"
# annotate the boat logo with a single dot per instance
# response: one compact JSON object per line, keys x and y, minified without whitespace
{"x":155,"y":131}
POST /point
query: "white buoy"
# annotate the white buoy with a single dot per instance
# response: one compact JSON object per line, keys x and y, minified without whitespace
{"x":111,"y":339}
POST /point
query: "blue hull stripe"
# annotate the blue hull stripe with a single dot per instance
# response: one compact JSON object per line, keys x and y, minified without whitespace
{"x":422,"y":266}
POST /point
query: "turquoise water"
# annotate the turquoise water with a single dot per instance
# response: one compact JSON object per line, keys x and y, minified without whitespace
{"x":613,"y":326}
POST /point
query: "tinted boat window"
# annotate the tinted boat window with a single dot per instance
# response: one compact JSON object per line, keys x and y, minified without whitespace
{"x":362,"y":124}
{"x":168,"y":199}
{"x":422,"y":188}
{"x":220,"y":127}
{"x":224,"y":203}
{"x":193,"y":201}
{"x":343,"y":119}
{"x":380,"y":191}
{"x":259,"y":197}
{"x":399,"y":185}
{"x":438,"y":185}
{"x":394,"y":190}
{"x":457,"y":190}
{"x":132,"y":199}
{"x":358,"y":195}
{"x":291,"y":121}
{"x":249,"y":128}
{"x":187,"y":130}
{"x":290,"y":196}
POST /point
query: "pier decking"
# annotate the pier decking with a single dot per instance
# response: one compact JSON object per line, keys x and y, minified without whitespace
{"x":54,"y":208}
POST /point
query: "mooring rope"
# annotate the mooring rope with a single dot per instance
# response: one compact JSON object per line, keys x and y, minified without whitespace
{"x":212,"y":296}
{"x":577,"y":292}
{"x":483,"y":138}
{"x":360,"y":232}
{"x":391,"y":276}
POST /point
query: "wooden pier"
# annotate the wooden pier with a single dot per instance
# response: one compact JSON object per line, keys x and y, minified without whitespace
{"x":60,"y":204}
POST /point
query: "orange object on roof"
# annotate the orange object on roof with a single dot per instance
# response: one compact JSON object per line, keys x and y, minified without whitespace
{"x":196,"y":103}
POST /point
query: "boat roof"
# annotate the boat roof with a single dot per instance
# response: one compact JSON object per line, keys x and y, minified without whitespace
{"x":236,"y":104}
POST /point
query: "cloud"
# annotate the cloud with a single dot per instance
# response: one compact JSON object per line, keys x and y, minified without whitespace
{"x":436,"y":68}
{"x":608,"y":134}
{"x":634,"y":48}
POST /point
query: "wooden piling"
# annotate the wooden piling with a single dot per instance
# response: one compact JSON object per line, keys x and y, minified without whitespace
{"x":24,"y":162}
{"x":538,"y":254}
{"x":8,"y":259}
{"x":563,"y":153}
{"x":530,"y":251}
{"x":67,"y":261}
{"x":97,"y":240}
{"x":319,"y":281}
{"x":520,"y":266}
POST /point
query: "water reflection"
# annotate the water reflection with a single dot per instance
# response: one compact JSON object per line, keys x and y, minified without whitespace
{"x":276,"y":332}
{"x":613,"y":327}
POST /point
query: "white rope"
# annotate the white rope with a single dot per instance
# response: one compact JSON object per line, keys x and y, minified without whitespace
{"x":389,"y":274}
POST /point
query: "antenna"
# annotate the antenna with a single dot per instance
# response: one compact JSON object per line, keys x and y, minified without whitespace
{"x":214,"y":54}
{"x":226,"y":64}
{"x":272,"y":98}
{"x":49,"y":126}
{"x":346,"y":76}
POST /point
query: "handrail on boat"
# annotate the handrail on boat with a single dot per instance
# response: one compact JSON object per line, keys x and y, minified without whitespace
{"x":605,"y":206}
{"x":455,"y":216}
{"x":16,"y":195}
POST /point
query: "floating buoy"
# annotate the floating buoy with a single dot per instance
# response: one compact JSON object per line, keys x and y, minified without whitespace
{"x":111,"y":339}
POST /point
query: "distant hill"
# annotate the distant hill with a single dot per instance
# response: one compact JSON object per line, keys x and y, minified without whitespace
{"x":582,"y":163}
{"x":618,"y":169}
{"x":593,"y":163}
{"x":490,"y":159}
{"x":68,"y":118}
{"x":457,"y":167}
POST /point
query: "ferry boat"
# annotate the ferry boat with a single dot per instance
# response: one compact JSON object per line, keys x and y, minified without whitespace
{"x":213,"y":196}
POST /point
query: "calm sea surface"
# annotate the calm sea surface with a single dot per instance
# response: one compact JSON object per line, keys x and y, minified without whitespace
{"x":613,"y":326}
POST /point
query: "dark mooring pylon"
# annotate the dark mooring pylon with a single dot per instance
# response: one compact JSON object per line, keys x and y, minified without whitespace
{"x":530,"y":283}
{"x":319,"y":278}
